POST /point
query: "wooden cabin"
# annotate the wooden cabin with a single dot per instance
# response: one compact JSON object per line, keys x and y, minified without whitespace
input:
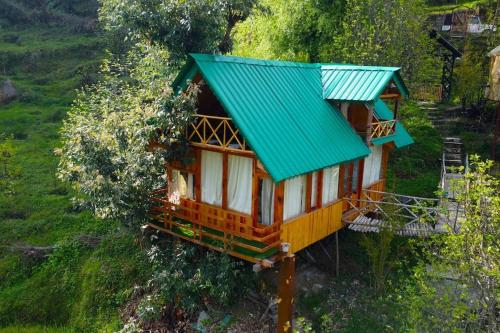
{"x":278,"y":152}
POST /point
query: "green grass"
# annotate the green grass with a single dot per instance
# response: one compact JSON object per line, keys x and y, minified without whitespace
{"x":79,"y":287}
{"x":416,"y":170}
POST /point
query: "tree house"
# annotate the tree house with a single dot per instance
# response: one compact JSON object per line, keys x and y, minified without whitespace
{"x":277,"y":151}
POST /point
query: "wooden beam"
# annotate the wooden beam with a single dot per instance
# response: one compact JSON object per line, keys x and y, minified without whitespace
{"x":342,"y":170}
{"x":308,"y":192}
{"x":286,"y":294}
{"x":361,"y":169}
{"x":197,"y":180}
{"x":225,"y":162}
{"x":278,"y":202}
{"x":319,"y":203}
{"x":369,"y":120}
{"x":390,"y":96}
{"x":255,"y":193}
{"x":219,"y":149}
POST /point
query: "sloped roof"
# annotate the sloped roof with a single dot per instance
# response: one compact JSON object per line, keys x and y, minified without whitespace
{"x":401,"y":137}
{"x":358,"y":83}
{"x":279,"y":108}
{"x":280,"y":111}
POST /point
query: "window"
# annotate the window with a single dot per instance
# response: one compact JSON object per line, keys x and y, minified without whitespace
{"x":330,"y":184}
{"x":239,"y":184}
{"x":211,"y":177}
{"x":265,"y":210}
{"x":295,"y":197}
{"x":183,"y":184}
{"x":372,"y":166}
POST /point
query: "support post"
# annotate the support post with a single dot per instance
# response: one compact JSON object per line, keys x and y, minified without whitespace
{"x":286,"y":294}
{"x":337,"y":257}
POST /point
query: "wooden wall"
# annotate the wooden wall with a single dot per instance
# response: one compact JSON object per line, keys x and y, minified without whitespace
{"x":311,"y":227}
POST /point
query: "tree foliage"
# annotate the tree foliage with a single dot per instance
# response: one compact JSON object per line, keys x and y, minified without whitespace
{"x":300,"y":31}
{"x":374,"y":32}
{"x":105,"y":151}
{"x":180,"y":26}
{"x":455,"y":287}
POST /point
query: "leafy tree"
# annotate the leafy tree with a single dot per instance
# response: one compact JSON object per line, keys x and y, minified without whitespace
{"x":105,"y":151}
{"x":180,"y":26}
{"x":455,"y":288}
{"x":378,"y":32}
{"x":300,"y":30}
{"x":373,"y":32}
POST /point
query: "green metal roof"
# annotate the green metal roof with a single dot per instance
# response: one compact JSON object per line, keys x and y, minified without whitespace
{"x":358,"y":83}
{"x":280,"y":109}
{"x":278,"y":106}
{"x":401,"y":137}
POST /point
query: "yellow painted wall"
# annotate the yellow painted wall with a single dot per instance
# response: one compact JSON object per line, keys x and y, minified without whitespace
{"x":310,"y":228}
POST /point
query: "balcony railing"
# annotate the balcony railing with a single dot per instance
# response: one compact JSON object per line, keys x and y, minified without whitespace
{"x":215,"y":131}
{"x":215,"y":227}
{"x":382,"y":128}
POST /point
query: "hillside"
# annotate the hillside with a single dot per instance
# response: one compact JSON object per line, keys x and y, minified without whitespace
{"x":94,"y":263}
{"x":63,"y":270}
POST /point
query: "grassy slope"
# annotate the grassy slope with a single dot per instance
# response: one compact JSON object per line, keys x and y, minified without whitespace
{"x":79,"y":287}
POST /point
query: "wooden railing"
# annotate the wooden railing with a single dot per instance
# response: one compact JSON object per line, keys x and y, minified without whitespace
{"x":204,"y":222}
{"x":382,"y":128}
{"x":432,"y":93}
{"x":215,"y":131}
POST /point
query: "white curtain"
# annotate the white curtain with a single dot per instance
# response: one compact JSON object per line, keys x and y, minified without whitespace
{"x":330,"y":184}
{"x":190,"y":186}
{"x":266,"y":201}
{"x":314,"y":189}
{"x":239,"y":184}
{"x":295,"y":197}
{"x":373,"y":162}
{"x":211,"y":177}
{"x":183,"y":184}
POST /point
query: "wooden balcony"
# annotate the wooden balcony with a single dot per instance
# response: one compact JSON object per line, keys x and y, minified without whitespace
{"x":382,"y":128}
{"x":216,"y":228}
{"x":215,"y":131}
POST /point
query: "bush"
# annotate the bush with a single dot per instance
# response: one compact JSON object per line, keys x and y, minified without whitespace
{"x":186,"y":279}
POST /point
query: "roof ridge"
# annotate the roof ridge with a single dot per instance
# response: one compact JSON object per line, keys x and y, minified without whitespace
{"x":286,"y":63}
{"x":358,"y":67}
{"x":252,"y":61}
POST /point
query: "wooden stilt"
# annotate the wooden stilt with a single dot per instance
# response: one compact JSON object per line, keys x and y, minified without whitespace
{"x":337,"y":253}
{"x":286,"y":294}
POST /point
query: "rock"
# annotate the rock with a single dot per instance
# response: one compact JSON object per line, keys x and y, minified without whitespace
{"x":7,"y":92}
